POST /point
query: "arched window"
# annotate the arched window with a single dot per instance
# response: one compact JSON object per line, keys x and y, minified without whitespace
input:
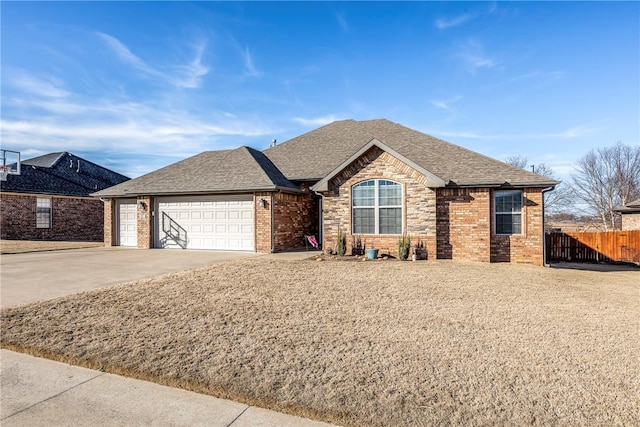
{"x":376,"y":207}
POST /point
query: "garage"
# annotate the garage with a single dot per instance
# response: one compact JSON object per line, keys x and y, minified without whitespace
{"x":205,"y":222}
{"x":127,"y":223}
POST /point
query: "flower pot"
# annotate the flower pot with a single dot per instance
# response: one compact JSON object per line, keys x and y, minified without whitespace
{"x":372,"y":253}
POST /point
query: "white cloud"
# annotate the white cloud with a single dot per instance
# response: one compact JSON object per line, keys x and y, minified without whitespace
{"x":445,"y":104}
{"x":570,"y":133}
{"x":187,"y":76}
{"x":48,"y":87}
{"x":443,"y":24}
{"x":342,"y":21}
{"x":317,"y":121}
{"x":473,"y":56}
{"x":250,"y":69}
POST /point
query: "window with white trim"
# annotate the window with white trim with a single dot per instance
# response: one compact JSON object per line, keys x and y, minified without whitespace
{"x":508,"y":212}
{"x":43,"y":213}
{"x":376,"y":207}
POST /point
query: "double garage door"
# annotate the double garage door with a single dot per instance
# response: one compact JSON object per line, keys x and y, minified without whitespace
{"x":205,"y":222}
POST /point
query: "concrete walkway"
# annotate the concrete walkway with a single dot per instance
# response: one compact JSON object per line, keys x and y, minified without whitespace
{"x":42,"y":392}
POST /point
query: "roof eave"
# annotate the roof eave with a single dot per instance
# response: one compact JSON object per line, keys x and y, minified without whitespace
{"x":191,"y":192}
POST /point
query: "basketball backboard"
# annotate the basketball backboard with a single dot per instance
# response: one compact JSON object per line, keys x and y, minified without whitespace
{"x":10,"y":163}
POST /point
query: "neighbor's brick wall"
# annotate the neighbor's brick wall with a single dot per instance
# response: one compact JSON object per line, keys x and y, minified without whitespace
{"x":631,"y":221}
{"x":262,"y":217}
{"x":419,"y":204}
{"x":464,"y":223}
{"x":73,"y":218}
{"x":145,"y":222}
{"x":296,"y":216}
{"x":528,"y":247}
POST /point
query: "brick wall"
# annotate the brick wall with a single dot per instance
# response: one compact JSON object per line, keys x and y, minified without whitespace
{"x":109,"y":223}
{"x":262,"y":217}
{"x":72,"y":218}
{"x":528,"y":247}
{"x":296,"y":216}
{"x":419,"y":204}
{"x":464,"y":223}
{"x":145,"y":222}
{"x":631,"y":221}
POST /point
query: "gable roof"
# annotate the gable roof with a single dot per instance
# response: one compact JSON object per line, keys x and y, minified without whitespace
{"x":631,"y":207}
{"x":239,"y":170}
{"x":61,"y":173}
{"x":319,"y":153}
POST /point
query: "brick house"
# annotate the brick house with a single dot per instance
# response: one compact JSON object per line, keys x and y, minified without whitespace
{"x":373,"y":180}
{"x":50,"y":199}
{"x":630,"y":214}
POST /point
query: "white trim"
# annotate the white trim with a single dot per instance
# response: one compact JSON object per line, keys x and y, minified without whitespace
{"x":376,"y":207}
{"x":433,"y":181}
{"x":495,"y":212}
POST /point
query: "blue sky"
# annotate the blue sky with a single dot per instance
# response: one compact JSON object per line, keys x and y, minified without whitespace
{"x":135,"y":86}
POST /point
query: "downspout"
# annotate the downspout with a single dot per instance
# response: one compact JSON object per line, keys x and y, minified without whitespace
{"x":321,"y":222}
{"x":544,"y":231}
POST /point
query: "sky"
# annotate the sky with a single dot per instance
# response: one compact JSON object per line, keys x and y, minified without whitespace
{"x":135,"y":86}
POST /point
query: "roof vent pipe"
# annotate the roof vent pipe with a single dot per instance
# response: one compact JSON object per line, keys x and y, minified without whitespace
{"x":273,"y":143}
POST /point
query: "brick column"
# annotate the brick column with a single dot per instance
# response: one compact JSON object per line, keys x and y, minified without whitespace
{"x":145,"y":222}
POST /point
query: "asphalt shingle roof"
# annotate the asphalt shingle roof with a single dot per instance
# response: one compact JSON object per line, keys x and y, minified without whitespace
{"x":61,"y":173}
{"x":315,"y":154}
{"x":225,"y":171}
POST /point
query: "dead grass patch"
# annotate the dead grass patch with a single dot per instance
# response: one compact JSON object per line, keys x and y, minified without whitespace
{"x":23,"y":246}
{"x":369,"y":343}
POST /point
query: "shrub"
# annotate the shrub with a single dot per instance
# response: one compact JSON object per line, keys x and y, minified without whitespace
{"x":341,"y":246}
{"x":404,"y":247}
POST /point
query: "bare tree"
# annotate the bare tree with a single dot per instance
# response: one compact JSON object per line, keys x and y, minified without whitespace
{"x":517,"y":161}
{"x":555,"y":201}
{"x":608,"y":178}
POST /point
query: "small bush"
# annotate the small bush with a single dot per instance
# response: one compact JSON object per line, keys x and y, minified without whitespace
{"x":341,"y":246}
{"x":404,"y":247}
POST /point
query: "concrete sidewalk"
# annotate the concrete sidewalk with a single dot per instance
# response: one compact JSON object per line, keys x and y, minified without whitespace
{"x":41,"y":392}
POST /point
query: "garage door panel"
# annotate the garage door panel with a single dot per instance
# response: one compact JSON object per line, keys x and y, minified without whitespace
{"x":127,"y":223}
{"x":208,"y":222}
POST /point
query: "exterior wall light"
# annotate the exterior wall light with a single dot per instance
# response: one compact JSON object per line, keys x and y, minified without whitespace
{"x":262,"y":203}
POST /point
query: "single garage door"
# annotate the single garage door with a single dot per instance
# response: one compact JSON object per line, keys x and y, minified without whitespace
{"x":205,"y":222}
{"x":127,"y":223}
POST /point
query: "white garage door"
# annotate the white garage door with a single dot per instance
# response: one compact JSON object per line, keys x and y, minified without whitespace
{"x":205,"y":222}
{"x":127,"y":223}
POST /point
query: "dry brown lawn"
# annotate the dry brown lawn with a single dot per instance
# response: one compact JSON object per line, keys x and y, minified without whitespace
{"x":366,"y":343}
{"x":22,"y":246}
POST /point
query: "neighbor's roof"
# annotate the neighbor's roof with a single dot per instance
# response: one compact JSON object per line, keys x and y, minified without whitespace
{"x":61,"y":173}
{"x":316,"y":154}
{"x":630,"y":207}
{"x":238,"y":170}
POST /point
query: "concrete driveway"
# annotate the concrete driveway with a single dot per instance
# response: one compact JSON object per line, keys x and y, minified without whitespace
{"x":36,"y":276}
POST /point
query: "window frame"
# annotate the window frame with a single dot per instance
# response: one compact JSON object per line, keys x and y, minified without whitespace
{"x":44,"y":212}
{"x":510,"y":213}
{"x":377,"y":207}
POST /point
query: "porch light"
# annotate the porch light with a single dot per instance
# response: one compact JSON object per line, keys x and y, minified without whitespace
{"x":262,"y":203}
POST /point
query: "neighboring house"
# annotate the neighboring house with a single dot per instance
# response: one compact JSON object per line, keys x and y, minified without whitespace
{"x":50,"y":199}
{"x":630,"y":215}
{"x":373,"y":180}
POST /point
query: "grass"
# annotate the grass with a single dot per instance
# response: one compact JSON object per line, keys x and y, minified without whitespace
{"x":23,"y":246}
{"x":366,"y":343}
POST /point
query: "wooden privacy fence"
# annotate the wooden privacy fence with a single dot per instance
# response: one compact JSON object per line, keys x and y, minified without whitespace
{"x":605,"y":246}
